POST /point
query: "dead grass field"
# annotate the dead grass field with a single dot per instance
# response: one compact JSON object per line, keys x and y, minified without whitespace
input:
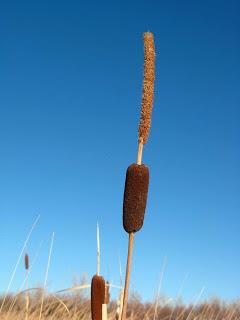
{"x":76,"y":307}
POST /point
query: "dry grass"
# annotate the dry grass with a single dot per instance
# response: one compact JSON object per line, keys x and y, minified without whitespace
{"x":76,"y":307}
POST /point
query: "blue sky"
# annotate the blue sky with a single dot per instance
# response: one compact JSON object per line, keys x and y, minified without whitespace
{"x":71,"y":80}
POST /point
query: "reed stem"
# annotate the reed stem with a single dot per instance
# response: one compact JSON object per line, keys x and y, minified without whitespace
{"x":27,"y":296}
{"x":128,"y":274}
{"x":140,"y":151}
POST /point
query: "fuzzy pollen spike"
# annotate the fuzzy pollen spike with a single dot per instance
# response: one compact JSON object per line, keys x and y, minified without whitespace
{"x":148,"y":87}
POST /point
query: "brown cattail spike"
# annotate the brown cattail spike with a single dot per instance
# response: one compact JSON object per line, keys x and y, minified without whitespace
{"x":97,"y":297}
{"x":148,"y":86}
{"x":26,"y":262}
{"x":135,"y":197}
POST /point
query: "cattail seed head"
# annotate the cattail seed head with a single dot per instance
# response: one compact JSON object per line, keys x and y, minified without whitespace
{"x":135,"y":197}
{"x":26,"y":262}
{"x":97,"y":297}
{"x":148,"y":86}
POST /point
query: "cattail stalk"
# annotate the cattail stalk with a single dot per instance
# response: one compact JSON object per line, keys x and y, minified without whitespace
{"x":27,"y":292}
{"x":104,"y":312}
{"x":128,"y":274}
{"x":140,"y":151}
{"x":136,"y":185}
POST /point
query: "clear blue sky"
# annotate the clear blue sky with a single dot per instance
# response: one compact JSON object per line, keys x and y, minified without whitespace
{"x":70,"y":96}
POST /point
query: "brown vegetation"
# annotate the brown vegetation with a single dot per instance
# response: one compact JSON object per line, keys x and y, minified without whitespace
{"x":78,"y":307}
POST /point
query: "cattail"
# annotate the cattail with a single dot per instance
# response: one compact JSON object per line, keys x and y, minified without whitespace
{"x":137,"y":176}
{"x":148,"y":87}
{"x":135,"y":197}
{"x":97,"y":297}
{"x":26,"y":262}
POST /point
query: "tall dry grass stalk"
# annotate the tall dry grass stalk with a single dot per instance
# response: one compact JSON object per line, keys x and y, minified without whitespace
{"x":98,"y":251}
{"x":137,"y":177}
{"x":159,"y":288}
{"x":119,"y":305}
{"x":46,"y":276}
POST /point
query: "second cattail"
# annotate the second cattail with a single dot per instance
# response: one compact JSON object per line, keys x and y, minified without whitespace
{"x":97,"y":296}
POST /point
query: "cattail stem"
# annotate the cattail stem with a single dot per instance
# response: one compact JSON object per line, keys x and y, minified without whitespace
{"x":128,"y":273}
{"x":27,"y":295}
{"x":140,"y":151}
{"x":104,"y":312}
{"x":130,"y":247}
